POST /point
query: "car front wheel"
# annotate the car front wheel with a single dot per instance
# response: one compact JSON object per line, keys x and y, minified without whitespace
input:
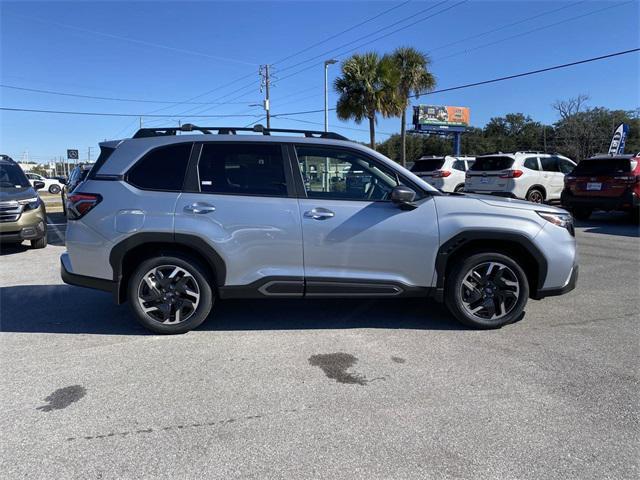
{"x":170,"y":294}
{"x":486,"y":290}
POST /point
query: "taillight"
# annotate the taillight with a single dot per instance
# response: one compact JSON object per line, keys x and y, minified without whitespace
{"x":512,"y":174}
{"x":441,"y":173}
{"x":79,"y":204}
{"x":568,"y":179}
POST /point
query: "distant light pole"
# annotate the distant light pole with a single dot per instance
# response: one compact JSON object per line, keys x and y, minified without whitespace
{"x":326,"y":92}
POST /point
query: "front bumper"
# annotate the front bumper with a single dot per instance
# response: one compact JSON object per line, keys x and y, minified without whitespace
{"x":31,"y":225}
{"x":71,"y":278}
{"x":625,"y":201}
{"x":552,"y":292}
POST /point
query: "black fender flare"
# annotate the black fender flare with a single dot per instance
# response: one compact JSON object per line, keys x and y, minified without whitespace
{"x":192,"y":242}
{"x":464,"y":238}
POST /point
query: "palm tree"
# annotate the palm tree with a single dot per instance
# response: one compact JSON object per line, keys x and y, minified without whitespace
{"x":365,"y":89}
{"x":412,"y":77}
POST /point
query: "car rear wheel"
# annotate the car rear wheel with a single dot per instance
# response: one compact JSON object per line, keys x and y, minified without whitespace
{"x":459,"y":188}
{"x":54,"y":189}
{"x":486,"y":290}
{"x":535,"y":195}
{"x":581,"y":213}
{"x":170,"y":294}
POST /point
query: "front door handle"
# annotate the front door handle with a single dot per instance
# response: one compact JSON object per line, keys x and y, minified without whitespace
{"x":319,"y":213}
{"x":199,"y":207}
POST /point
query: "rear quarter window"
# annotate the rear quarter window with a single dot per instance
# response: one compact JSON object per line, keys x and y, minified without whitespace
{"x":161,"y":169}
{"x":491,"y":163}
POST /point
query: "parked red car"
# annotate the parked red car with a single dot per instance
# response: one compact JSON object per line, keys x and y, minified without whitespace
{"x":603,"y":182}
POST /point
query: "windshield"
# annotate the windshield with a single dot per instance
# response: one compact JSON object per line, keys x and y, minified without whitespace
{"x":12,"y":176}
{"x":428,"y":165}
{"x":491,"y":163}
{"x":605,"y":166}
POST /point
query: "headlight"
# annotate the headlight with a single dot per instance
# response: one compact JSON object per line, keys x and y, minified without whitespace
{"x":30,"y":203}
{"x":564,"y":220}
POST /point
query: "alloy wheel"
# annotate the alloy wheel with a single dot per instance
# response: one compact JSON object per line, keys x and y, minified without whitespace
{"x":535,"y":196}
{"x":168,"y":294}
{"x":489,"y":291}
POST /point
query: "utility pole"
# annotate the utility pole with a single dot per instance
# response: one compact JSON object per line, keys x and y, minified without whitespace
{"x":266,"y":83}
{"x":141,"y":122}
{"x":89,"y":154}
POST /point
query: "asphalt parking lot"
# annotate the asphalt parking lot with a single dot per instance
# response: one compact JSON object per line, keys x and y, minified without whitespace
{"x":323,"y":389}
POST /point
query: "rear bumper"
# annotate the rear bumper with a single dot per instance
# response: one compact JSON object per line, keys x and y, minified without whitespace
{"x":552,"y":292}
{"x":71,"y":278}
{"x":625,"y":201}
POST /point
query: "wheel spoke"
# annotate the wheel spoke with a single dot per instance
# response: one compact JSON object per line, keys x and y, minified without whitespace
{"x":489,"y":290}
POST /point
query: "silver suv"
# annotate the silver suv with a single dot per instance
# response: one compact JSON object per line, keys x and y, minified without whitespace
{"x":172,"y":222}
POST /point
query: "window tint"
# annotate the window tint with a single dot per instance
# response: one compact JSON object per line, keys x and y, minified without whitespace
{"x":491,"y":163}
{"x":242,"y":169}
{"x":531,"y":163}
{"x":161,"y":169}
{"x":549,"y":164}
{"x":565,"y":165}
{"x":604,"y":166}
{"x":343,"y":175}
{"x":428,"y":165}
{"x":458,"y":165}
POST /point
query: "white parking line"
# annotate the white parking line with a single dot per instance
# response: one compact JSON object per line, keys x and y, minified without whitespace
{"x":55,"y":227}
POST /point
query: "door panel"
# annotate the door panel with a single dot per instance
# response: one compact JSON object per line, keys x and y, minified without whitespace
{"x":256,"y":237}
{"x":351,"y":231}
{"x":243,"y":207}
{"x":370,"y":241}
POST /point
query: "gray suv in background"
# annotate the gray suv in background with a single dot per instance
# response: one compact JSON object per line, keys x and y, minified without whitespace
{"x":173,"y":222}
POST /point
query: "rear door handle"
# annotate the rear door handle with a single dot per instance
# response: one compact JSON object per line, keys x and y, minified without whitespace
{"x":319,"y":213}
{"x":199,"y":207}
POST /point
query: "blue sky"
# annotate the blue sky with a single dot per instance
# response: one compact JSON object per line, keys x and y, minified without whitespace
{"x":174,"y":51}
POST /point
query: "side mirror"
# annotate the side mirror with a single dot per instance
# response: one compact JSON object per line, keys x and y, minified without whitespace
{"x":37,"y":184}
{"x":403,"y":197}
{"x":63,"y":181}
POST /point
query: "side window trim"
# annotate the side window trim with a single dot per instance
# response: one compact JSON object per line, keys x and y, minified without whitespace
{"x":192,"y":177}
{"x":403,"y":180}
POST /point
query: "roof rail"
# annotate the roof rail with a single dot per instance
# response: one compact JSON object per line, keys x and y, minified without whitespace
{"x":188,"y":127}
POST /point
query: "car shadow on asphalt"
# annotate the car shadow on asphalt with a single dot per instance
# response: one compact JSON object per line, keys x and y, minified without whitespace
{"x":66,"y":309}
{"x":614,"y":223}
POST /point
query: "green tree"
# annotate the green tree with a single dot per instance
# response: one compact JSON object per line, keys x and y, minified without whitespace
{"x":410,"y":76}
{"x":365,"y":90}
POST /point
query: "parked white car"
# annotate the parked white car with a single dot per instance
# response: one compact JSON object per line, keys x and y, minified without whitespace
{"x":445,"y":173}
{"x":50,"y":184}
{"x":533,"y":176}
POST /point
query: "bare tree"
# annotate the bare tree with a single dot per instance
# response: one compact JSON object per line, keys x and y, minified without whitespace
{"x":568,"y":108}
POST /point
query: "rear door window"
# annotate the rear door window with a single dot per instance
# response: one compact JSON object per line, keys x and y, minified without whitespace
{"x":565,"y":165}
{"x":549,"y":164}
{"x":242,"y":169}
{"x":161,"y":169}
{"x":458,"y":165}
{"x":531,"y":163}
{"x":491,"y":163}
{"x":428,"y":165}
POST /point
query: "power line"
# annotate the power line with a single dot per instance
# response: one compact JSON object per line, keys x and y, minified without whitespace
{"x":449,"y":89}
{"x":132,"y":40}
{"x":306,"y":49}
{"x":494,"y":80}
{"x":116,"y":99}
{"x":537,"y":29}
{"x":104,"y":114}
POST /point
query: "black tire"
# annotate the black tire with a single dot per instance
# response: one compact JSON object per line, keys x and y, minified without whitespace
{"x":581,"y":213}
{"x":459,"y":188}
{"x":54,"y":189}
{"x":197,"y":273}
{"x":64,"y":205}
{"x":454,"y":283}
{"x":39,"y":243}
{"x":535,"y":195}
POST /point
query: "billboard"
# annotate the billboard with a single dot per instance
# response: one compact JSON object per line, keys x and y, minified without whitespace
{"x":442,"y":115}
